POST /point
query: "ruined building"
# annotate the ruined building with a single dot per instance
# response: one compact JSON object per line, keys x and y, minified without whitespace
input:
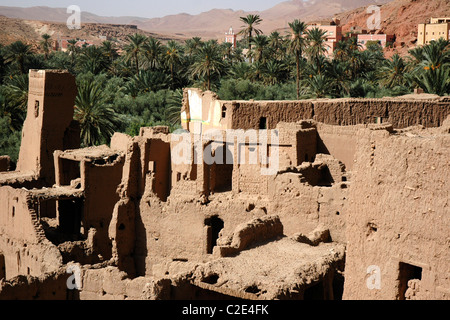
{"x":315,"y":199}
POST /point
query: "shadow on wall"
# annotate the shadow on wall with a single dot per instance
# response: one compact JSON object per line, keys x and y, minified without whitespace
{"x":141,"y":251}
{"x":321,"y":147}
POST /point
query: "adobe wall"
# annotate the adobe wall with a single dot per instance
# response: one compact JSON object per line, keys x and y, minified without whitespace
{"x":203,"y":107}
{"x":23,"y":245}
{"x":339,"y":142}
{"x":172,"y":236}
{"x":401,"y":112}
{"x":49,"y":119}
{"x":397,"y":216}
{"x":111,"y":284}
{"x":248,"y":115}
{"x":97,"y":282}
{"x":51,"y":286}
{"x":100,"y":198}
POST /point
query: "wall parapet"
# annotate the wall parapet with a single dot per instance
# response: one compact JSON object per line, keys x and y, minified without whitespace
{"x":402,"y":112}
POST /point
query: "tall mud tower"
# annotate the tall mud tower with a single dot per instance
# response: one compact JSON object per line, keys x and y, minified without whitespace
{"x":49,"y":124}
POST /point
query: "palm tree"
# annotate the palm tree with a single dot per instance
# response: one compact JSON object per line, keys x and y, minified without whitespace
{"x":416,"y":55}
{"x":192,"y":45}
{"x":341,"y":51}
{"x":153,"y":50}
{"x":45,"y":44}
{"x":172,"y":57}
{"x":257,"y":70}
{"x":360,"y":88}
{"x":173,"y":110}
{"x":18,"y":52}
{"x":208,"y":60}
{"x":337,"y":71}
{"x":98,"y":121}
{"x":16,"y":87}
{"x":72,"y":48}
{"x":149,"y":80}
{"x":274,"y":71}
{"x":432,"y":73}
{"x":318,"y":67}
{"x":276,"y":44}
{"x":297,"y":44}
{"x":250,"y":21}
{"x":135,"y":48}
{"x":393,"y":71}
{"x":93,"y":59}
{"x":11,"y":109}
{"x":436,"y":54}
{"x":110,"y":51}
{"x":316,"y":43}
{"x":261,"y":43}
{"x":435,"y":81}
{"x":241,"y":70}
{"x":317,"y":86}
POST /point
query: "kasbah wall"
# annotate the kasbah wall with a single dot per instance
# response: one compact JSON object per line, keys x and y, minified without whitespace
{"x":357,"y":207}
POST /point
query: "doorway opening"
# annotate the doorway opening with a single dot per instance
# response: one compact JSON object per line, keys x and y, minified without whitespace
{"x":213,"y":227}
{"x":407,"y":272}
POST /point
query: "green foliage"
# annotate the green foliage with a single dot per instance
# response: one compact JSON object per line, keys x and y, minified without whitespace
{"x":9,"y":139}
{"x":250,"y":23}
{"x":208,"y":61}
{"x":98,"y":120}
{"x":232,"y":89}
{"x":432,"y":68}
{"x":17,"y":53}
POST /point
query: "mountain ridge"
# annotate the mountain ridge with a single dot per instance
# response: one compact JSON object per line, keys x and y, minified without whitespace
{"x":209,"y":24}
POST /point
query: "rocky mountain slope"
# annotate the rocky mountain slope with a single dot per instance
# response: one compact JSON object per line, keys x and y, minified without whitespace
{"x":30,"y":31}
{"x":399,"y":17}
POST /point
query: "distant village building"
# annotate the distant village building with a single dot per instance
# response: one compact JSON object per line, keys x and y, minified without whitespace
{"x":231,"y":37}
{"x":437,"y":28}
{"x":333,"y":33}
{"x":382,"y":39}
{"x":62,"y":43}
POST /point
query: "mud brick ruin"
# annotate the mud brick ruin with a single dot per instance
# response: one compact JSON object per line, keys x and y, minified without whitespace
{"x":357,"y":207}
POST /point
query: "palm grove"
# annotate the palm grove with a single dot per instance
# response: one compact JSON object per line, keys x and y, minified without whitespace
{"x":143,"y":86}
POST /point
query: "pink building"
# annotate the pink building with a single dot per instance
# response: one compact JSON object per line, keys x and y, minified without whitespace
{"x":382,"y":39}
{"x":333,"y":33}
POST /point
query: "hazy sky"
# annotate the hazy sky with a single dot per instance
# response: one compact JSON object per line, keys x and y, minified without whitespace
{"x":147,"y":8}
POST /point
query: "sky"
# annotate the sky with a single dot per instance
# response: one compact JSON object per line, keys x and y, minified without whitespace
{"x":147,"y":8}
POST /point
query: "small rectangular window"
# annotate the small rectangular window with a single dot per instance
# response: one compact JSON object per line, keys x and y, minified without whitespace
{"x":263,"y":123}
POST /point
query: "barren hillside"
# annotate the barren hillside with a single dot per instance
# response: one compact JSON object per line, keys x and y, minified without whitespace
{"x":399,"y":17}
{"x":30,"y":31}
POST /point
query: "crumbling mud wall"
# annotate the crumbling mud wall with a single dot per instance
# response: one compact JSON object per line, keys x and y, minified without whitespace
{"x":24,"y":248}
{"x":248,"y":234}
{"x":48,"y":286}
{"x":109,"y":283}
{"x":398,"y":216}
{"x":267,"y":114}
{"x":401,"y":112}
